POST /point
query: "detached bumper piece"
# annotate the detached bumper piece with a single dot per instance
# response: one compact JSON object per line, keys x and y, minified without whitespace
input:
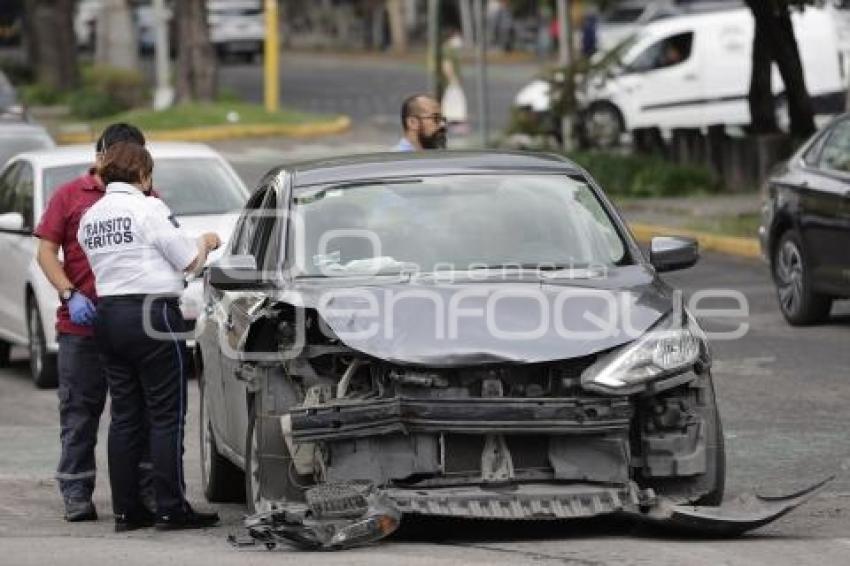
{"x":335,"y":517}
{"x":732,"y":518}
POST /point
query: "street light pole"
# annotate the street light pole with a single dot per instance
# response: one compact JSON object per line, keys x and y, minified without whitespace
{"x":270,"y":57}
{"x":434,"y":48}
{"x":483,"y":110}
{"x":164,"y":94}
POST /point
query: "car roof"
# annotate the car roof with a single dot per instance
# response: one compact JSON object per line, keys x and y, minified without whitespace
{"x":71,"y":154}
{"x":356,"y":168}
{"x":14,"y":128}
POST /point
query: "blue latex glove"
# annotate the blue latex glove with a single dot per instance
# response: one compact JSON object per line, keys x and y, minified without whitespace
{"x":81,"y":309}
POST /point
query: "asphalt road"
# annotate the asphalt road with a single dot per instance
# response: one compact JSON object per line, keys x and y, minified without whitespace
{"x":369,"y":89}
{"x":783,"y":396}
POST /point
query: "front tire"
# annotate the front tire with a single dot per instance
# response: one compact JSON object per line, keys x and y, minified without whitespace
{"x":43,"y":366}
{"x":799,"y":303}
{"x":221,"y":479}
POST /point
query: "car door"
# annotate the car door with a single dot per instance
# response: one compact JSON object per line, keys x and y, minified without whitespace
{"x":663,"y":82}
{"x":825,"y":211}
{"x":241,"y":308}
{"x":12,"y":322}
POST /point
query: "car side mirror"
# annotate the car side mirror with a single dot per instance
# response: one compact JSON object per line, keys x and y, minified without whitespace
{"x":234,"y":273}
{"x":12,"y":222}
{"x":671,"y":253}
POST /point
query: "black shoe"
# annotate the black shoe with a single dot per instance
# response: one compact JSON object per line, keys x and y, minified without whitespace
{"x":133,"y":521}
{"x":187,"y":519}
{"x":77,"y":510}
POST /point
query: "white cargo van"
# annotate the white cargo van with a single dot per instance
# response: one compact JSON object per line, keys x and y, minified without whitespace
{"x":694,"y":71}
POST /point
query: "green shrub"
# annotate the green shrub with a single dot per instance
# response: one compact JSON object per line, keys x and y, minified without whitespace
{"x":41,"y":95}
{"x":18,"y":73}
{"x":90,"y":104}
{"x":644,"y":176}
{"x":126,"y":87}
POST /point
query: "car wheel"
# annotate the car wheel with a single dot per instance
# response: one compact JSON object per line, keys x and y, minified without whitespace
{"x":43,"y":368}
{"x":269,"y":475}
{"x":5,"y":352}
{"x":603,"y":126}
{"x":798,"y":302}
{"x":221,"y":479}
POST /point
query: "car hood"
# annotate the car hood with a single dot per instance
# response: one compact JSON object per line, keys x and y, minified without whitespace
{"x":478,"y":322}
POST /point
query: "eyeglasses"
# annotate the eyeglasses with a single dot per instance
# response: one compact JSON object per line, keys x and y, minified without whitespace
{"x":438,"y":118}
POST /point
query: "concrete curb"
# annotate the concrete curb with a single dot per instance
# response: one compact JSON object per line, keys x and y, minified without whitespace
{"x":228,"y":131}
{"x":729,"y":245}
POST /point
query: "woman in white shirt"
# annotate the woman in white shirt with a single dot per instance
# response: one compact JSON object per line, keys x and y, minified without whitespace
{"x":139,"y":256}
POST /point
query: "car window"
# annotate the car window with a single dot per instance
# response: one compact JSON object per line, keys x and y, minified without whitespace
{"x":667,"y":52}
{"x":835,"y":155}
{"x":24,"y":193}
{"x":452,"y":222}
{"x":188,"y":186}
{"x":246,"y":229}
{"x":7,"y":188}
{"x":813,"y":153}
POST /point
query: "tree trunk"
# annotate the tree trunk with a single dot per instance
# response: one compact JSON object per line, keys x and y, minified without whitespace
{"x":762,"y":108}
{"x":196,"y":61}
{"x":52,"y":45}
{"x":773,"y":20}
{"x":398,"y":31}
{"x":117,"y":45}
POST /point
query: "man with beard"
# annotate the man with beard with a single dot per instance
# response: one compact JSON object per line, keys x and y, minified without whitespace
{"x":424,"y":124}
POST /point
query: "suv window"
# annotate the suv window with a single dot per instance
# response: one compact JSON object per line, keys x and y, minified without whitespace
{"x":667,"y":52}
{"x":835,"y":155}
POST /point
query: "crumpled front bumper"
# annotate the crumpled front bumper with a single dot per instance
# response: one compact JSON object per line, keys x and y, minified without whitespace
{"x":339,"y":524}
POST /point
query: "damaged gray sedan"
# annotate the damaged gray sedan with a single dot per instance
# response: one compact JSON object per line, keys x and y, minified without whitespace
{"x":455,"y":334}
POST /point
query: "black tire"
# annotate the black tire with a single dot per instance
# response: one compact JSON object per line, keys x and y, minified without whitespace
{"x":269,"y":475}
{"x":799,"y":303}
{"x":603,"y":126}
{"x":222,"y":480}
{"x":5,"y":352}
{"x":43,"y":366}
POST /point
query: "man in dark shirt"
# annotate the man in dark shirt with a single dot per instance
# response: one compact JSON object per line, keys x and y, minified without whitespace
{"x":82,"y":384}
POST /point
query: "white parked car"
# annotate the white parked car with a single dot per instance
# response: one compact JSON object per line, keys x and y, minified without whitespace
{"x":237,"y":27}
{"x":199,"y":186}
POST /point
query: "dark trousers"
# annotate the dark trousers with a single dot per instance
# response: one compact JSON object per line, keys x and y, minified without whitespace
{"x":147,"y":380}
{"x":82,"y":394}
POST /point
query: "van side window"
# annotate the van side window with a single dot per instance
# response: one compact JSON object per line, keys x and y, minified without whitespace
{"x":835,"y":155}
{"x":667,"y":52}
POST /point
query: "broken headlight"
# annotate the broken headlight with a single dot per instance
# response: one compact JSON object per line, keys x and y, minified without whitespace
{"x":672,"y":347}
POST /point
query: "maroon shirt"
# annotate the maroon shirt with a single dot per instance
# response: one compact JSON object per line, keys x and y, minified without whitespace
{"x":59,"y":224}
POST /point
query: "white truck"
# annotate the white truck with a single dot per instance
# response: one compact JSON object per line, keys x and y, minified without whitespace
{"x":693,"y":71}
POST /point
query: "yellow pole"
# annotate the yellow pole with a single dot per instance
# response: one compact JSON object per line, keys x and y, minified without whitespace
{"x":272,"y":70}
